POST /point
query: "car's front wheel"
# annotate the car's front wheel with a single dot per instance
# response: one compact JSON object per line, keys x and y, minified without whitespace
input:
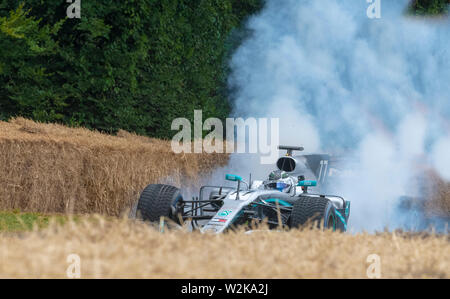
{"x":313,"y":211}
{"x":158,"y":201}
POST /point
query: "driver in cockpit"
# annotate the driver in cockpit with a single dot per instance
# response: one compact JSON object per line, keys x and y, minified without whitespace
{"x":281,"y":181}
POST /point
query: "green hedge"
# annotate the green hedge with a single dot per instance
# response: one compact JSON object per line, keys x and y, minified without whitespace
{"x":429,"y":7}
{"x":133,"y":65}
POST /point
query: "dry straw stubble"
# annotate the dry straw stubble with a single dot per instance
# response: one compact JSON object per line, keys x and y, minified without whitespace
{"x":51,"y":168}
{"x":126,"y":249}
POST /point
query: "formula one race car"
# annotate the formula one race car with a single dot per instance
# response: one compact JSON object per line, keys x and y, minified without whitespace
{"x":281,"y":200}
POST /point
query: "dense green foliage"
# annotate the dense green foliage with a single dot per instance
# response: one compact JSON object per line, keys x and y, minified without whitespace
{"x":129,"y":64}
{"x":134,"y":64}
{"x":15,"y":221}
{"x":429,"y":7}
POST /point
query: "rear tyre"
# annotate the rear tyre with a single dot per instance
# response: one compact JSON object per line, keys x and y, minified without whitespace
{"x":158,"y":201}
{"x":313,"y":211}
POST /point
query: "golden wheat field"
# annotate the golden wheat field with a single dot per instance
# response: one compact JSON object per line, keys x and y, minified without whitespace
{"x":50,"y":168}
{"x":126,"y":249}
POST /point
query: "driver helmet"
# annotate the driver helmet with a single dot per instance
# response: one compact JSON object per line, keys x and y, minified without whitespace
{"x":280,"y":180}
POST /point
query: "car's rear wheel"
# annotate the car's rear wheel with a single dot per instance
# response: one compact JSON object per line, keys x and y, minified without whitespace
{"x":313,"y":212}
{"x":158,"y":201}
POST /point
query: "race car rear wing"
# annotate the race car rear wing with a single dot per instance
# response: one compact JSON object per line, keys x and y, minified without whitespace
{"x":290,"y":149}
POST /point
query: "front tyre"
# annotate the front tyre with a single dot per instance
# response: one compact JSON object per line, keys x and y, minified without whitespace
{"x":313,"y":211}
{"x":158,"y":201}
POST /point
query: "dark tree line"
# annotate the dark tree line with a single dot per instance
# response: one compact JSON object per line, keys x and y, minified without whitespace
{"x":133,"y":65}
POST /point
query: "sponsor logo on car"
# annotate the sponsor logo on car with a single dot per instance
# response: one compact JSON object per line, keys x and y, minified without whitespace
{"x":225,"y":213}
{"x":221,"y":220}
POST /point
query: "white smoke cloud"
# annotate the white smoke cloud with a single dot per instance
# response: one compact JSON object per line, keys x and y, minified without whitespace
{"x":441,"y":157}
{"x":378,"y":89}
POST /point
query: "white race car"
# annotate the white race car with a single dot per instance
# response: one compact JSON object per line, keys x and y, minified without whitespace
{"x":282,"y":197}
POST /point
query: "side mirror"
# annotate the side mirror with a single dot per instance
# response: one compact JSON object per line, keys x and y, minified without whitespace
{"x":233,"y":178}
{"x":307,"y":183}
